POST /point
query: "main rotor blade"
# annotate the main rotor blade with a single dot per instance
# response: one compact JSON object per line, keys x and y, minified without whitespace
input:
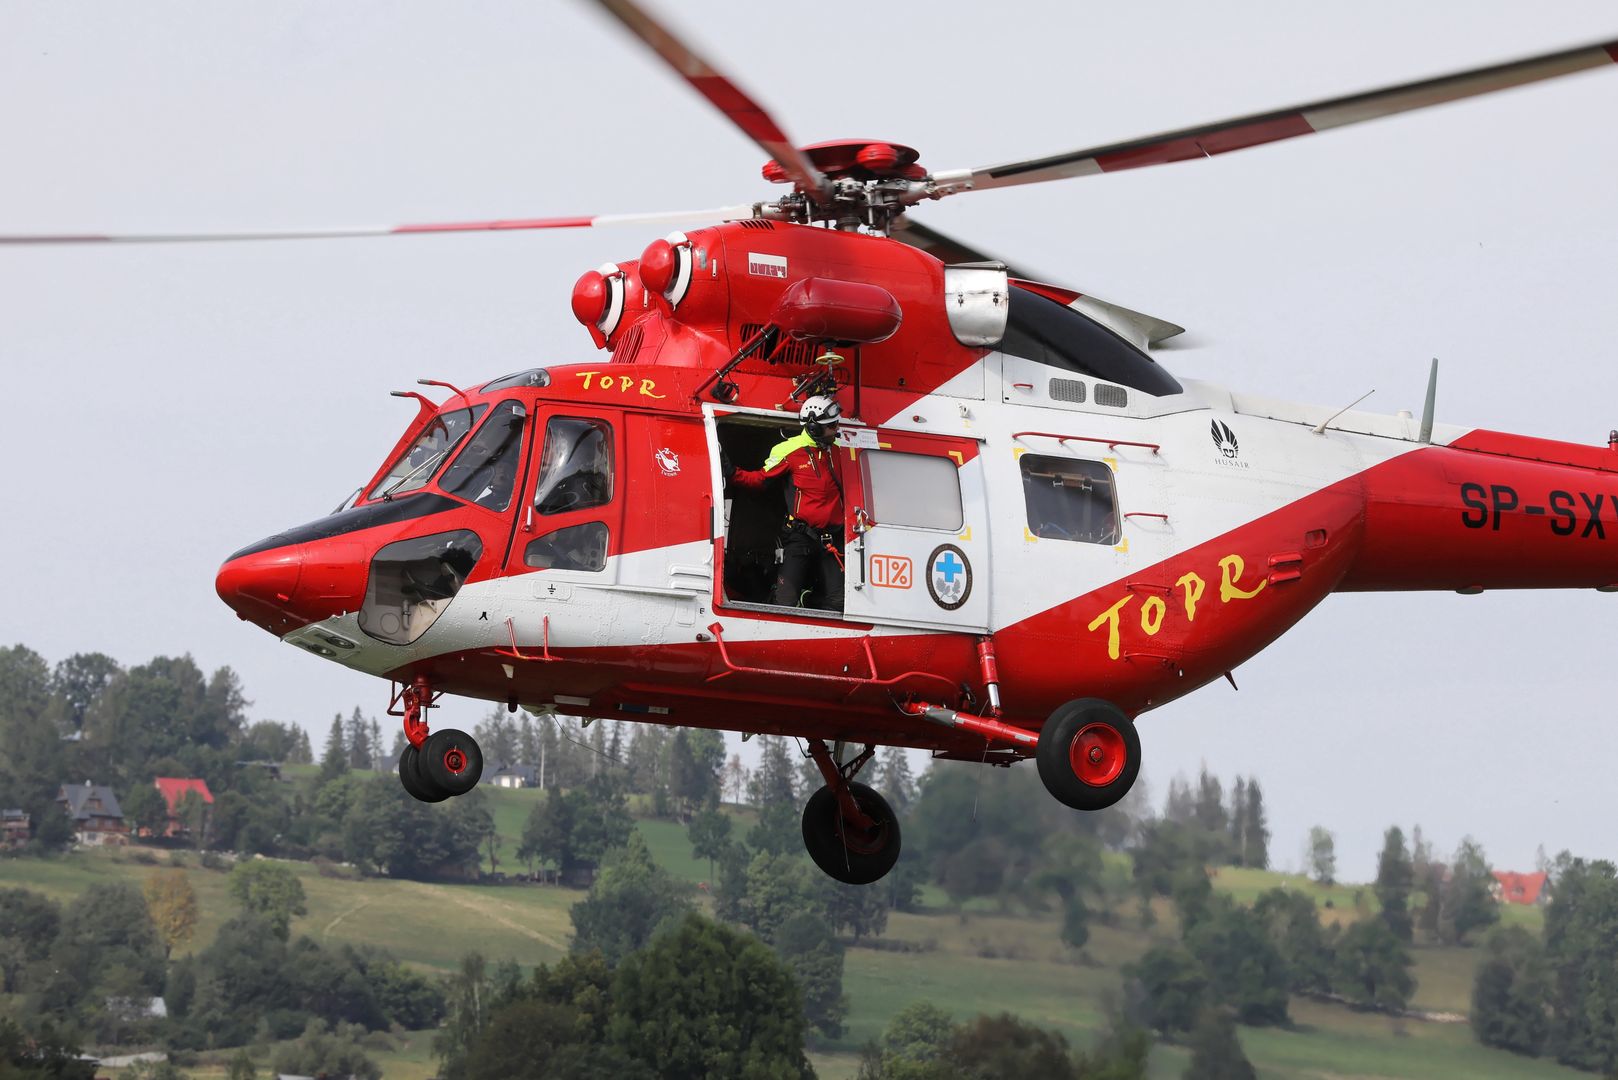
{"x":1221,"y":137}
{"x":725,"y":213}
{"x":721,"y":92}
{"x":947,"y":249}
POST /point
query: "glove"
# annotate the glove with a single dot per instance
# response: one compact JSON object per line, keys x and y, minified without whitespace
{"x":726,"y":469}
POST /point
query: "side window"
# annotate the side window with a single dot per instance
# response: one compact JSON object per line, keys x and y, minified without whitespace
{"x":915,"y":490}
{"x":576,"y":470}
{"x":577,"y":547}
{"x":1070,"y":499}
{"x":486,"y":470}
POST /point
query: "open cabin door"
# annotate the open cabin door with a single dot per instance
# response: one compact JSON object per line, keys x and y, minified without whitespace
{"x":918,"y":531}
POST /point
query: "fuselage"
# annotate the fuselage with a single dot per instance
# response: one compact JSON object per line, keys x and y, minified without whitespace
{"x":564,"y":540}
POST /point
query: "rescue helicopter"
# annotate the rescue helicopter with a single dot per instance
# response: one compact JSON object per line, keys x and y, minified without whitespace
{"x":1045,"y":532}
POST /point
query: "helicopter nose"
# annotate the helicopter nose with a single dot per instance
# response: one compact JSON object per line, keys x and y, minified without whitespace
{"x":261,"y":586}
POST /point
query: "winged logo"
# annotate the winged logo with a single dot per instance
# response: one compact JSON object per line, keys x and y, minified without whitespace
{"x":1224,"y":438}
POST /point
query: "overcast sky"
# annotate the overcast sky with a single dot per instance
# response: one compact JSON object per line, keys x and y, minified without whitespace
{"x":170,"y":404}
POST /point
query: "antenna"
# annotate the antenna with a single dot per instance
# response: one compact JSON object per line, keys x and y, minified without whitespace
{"x":1320,"y":429}
{"x":1427,"y":410}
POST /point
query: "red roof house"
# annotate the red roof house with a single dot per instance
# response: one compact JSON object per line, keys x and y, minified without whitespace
{"x":1514,"y":888}
{"x":174,"y":791}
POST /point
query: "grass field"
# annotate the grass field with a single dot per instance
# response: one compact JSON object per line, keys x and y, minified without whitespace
{"x":974,"y":960}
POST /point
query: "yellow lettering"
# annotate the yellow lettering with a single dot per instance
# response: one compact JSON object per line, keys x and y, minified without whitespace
{"x":1110,"y":617}
{"x":1151,"y":618}
{"x":1193,"y":585}
{"x":624,"y":383}
{"x":1230,"y":569}
{"x":587,"y":376}
{"x":646,"y":388}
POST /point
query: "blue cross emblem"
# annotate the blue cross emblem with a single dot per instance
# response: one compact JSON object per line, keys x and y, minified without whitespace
{"x":949,"y":566}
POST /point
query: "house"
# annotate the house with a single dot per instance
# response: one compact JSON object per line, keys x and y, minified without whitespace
{"x":174,"y":791}
{"x":97,"y":817}
{"x":15,"y":827}
{"x":1514,"y":888}
{"x":506,"y":775}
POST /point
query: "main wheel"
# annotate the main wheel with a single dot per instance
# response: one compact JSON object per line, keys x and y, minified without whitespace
{"x":842,"y":849}
{"x":416,"y":785}
{"x":1089,"y":754}
{"x":451,"y":761}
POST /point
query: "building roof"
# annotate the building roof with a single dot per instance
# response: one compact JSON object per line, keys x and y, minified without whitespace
{"x":526,"y":773}
{"x":79,"y":796}
{"x":173,"y":790}
{"x":1520,"y":888}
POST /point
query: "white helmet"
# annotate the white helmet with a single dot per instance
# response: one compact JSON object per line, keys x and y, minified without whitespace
{"x":819,"y":413}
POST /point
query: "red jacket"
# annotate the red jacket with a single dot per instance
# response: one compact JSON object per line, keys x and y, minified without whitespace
{"x":816,"y":475}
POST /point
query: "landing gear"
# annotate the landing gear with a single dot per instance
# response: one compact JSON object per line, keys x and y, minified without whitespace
{"x":438,"y":766}
{"x":1088,"y":754}
{"x":850,"y":831}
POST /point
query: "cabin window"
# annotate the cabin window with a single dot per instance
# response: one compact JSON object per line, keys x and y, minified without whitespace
{"x":577,"y":547}
{"x":412,"y":582}
{"x":486,"y":471}
{"x":1040,"y":329}
{"x":417,"y":465}
{"x":576,"y":470}
{"x":1070,"y":499}
{"x":918,"y":491}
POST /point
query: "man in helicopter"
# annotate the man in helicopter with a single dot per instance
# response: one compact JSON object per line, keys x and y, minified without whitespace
{"x":811,"y":572}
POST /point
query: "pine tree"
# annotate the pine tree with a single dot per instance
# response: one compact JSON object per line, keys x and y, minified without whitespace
{"x":377,"y":761}
{"x":1255,"y":852}
{"x":1180,"y":806}
{"x":735,"y":782}
{"x":1393,"y":881}
{"x":528,"y":741}
{"x":1322,"y":855}
{"x":1216,"y":1052}
{"x":898,"y":784}
{"x":358,"y":739}
{"x":334,"y":762}
{"x":1238,"y":821}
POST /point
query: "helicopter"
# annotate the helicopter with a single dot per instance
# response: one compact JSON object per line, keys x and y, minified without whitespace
{"x":1115,"y":537}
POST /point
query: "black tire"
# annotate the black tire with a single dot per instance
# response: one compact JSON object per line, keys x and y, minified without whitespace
{"x":1089,"y":754}
{"x":416,"y":785}
{"x":852,"y":856}
{"x":451,"y":761}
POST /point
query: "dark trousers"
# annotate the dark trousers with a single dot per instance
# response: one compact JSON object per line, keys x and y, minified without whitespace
{"x":811,"y":574}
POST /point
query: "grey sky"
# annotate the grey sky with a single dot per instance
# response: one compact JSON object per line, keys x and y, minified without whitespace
{"x":173,"y":403}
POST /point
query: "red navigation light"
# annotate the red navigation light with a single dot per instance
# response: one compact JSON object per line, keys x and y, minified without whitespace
{"x":590,"y":298}
{"x":878,"y":157}
{"x":774,"y":173}
{"x":657,"y":264}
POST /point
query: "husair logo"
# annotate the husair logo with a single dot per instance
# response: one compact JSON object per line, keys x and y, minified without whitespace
{"x":1224,"y":438}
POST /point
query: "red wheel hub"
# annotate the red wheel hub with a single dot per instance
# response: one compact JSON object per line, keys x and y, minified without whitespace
{"x":455,"y":760}
{"x":862,"y":841}
{"x":1098,"y":754}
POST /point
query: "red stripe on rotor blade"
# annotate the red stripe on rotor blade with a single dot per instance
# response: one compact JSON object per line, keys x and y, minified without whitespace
{"x":1271,"y":129}
{"x":742,"y":110}
{"x":1612,"y":51}
{"x":495,"y":226}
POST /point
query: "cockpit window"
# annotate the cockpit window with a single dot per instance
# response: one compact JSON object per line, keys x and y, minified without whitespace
{"x":412,"y":582}
{"x":486,"y":470}
{"x":417,"y":465}
{"x":1040,"y":329}
{"x":576,"y":470}
{"x":532,"y":377}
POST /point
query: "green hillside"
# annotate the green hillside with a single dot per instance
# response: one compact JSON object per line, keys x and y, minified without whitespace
{"x":971,"y":961}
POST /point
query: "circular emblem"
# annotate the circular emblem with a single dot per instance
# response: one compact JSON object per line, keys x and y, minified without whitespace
{"x":949,"y":576}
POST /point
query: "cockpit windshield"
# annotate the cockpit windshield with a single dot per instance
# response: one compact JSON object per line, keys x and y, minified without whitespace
{"x":417,"y":465}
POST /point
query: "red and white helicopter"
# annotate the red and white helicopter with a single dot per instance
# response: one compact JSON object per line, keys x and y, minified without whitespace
{"x":1048,"y":534}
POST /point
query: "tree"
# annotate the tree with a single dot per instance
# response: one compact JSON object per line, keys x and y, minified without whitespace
{"x":1372,"y":968}
{"x":173,"y":907}
{"x":1510,"y":992}
{"x":1393,"y":883}
{"x":531,"y":1038}
{"x":1581,"y":925}
{"x":241,"y":1066}
{"x":192,"y":813}
{"x":1293,"y":927}
{"x":735,"y":783}
{"x":630,"y":899}
{"x":814,"y":954}
{"x":1322,"y":856}
{"x":43,"y":1055}
{"x":334,"y":762}
{"x":1216,"y":1052}
{"x":28,"y":925}
{"x":1244,"y":968}
{"x":145,"y":809}
{"x":35,"y":759}
{"x":779,"y":830}
{"x":324,"y":1051}
{"x":772,"y":781}
{"x":706,"y":1000}
{"x":269,"y":891}
{"x":778,"y":887}
{"x":80,"y":680}
{"x":547,"y":836}
{"x":710,"y":833}
{"x":1255,"y":848}
{"x":862,"y":910}
{"x":896,"y":781}
{"x":1167,"y":987}
{"x":1468,"y":896}
{"x":1005,"y":1045}
{"x":357,"y":741}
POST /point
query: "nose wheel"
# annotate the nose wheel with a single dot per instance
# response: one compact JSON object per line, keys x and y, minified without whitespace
{"x":1089,"y":754}
{"x":436,"y":766}
{"x":849,"y":830}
